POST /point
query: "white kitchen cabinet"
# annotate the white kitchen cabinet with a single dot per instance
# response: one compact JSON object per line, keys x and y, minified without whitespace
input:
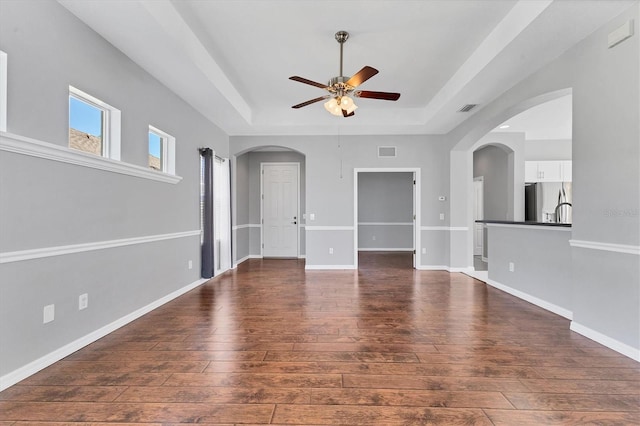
{"x":567,"y":171}
{"x":547,"y":171}
{"x":530,"y":171}
{"x":550,"y":171}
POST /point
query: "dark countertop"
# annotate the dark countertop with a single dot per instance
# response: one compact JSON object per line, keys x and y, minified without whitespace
{"x":510,"y":222}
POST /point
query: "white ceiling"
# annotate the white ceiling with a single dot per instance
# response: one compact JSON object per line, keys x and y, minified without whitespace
{"x":231,"y":59}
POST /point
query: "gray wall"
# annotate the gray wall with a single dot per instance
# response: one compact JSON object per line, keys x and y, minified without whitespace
{"x":385,"y":207}
{"x":492,"y":163}
{"x":606,"y":175}
{"x":330,"y":162}
{"x":240,"y":209}
{"x":45,"y":203}
{"x":542,"y":264}
{"x":606,"y":182}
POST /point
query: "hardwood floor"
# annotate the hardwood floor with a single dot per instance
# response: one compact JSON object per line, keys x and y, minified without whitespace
{"x":272,"y":343}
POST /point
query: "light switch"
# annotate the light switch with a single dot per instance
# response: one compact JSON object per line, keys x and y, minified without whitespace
{"x":48,"y":313}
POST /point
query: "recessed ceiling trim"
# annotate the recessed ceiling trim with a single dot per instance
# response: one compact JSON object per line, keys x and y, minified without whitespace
{"x":175,"y":27}
{"x":518,"y":18}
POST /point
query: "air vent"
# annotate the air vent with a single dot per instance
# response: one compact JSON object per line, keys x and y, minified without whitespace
{"x":386,"y":151}
{"x":467,"y":107}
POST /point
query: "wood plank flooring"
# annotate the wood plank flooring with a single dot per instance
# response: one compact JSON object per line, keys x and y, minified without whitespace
{"x":272,"y":343}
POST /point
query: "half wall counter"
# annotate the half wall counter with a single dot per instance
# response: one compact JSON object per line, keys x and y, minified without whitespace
{"x":532,"y":261}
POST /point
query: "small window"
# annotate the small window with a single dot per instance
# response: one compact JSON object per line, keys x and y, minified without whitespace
{"x":94,"y":126}
{"x":86,"y":126}
{"x":156,"y":144}
{"x":3,"y":91}
{"x":161,"y":151}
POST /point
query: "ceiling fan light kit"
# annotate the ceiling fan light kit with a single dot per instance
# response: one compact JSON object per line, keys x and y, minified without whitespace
{"x":340,"y":87}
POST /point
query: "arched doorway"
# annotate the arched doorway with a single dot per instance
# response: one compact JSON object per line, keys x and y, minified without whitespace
{"x":461,"y":179}
{"x":248,"y":196}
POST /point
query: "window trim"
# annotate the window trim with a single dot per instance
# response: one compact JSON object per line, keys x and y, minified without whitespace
{"x":3,"y":91}
{"x":50,"y":151}
{"x":111,"y":121}
{"x":168,"y":150}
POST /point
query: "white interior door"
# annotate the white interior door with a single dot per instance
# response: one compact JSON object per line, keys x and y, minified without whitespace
{"x":478,"y":214}
{"x":280,"y":209}
{"x":415,"y":247}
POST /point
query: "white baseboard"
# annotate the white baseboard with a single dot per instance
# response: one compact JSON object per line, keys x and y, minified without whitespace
{"x":385,"y":249}
{"x":332,"y":267}
{"x":464,"y":269}
{"x":558,"y":310}
{"x":478,"y":275}
{"x":244,"y":259}
{"x":33,"y":367}
{"x":433,"y":268}
{"x":623,"y":348}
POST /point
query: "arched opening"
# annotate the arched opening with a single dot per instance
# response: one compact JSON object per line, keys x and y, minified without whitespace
{"x":251,"y":203}
{"x":462,"y":166}
{"x":493,"y":177}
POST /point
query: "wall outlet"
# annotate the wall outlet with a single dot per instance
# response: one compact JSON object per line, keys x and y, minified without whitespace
{"x":83,"y":301}
{"x":312,"y":216}
{"x":330,"y":250}
{"x":191,"y":264}
{"x":512,"y":267}
{"x":441,"y":216}
{"x":48,"y":313}
{"x":373,"y":238}
{"x":424,"y":250}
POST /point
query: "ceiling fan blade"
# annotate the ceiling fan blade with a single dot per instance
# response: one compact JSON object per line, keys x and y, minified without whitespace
{"x":312,"y":101}
{"x":345,"y":115}
{"x":387,"y":96}
{"x":361,"y":76}
{"x":305,"y":81}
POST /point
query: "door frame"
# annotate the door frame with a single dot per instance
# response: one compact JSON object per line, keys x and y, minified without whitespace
{"x":276,"y":163}
{"x":416,"y":208}
{"x":478,"y":179}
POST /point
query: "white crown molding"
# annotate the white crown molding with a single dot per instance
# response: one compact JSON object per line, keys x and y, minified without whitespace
{"x":329,"y":228}
{"x":595,"y":245}
{"x":20,"y":255}
{"x":444,"y":228}
{"x":385,"y":223}
{"x":33,"y":367}
{"x":35,"y":148}
{"x":246,"y":225}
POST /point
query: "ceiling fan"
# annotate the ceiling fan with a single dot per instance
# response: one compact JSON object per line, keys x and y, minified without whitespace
{"x":340,"y":87}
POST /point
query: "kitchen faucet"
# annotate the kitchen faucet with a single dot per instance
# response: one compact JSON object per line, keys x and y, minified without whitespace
{"x":557,"y":211}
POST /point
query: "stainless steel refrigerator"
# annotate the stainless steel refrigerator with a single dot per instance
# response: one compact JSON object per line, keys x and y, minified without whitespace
{"x":548,"y":202}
